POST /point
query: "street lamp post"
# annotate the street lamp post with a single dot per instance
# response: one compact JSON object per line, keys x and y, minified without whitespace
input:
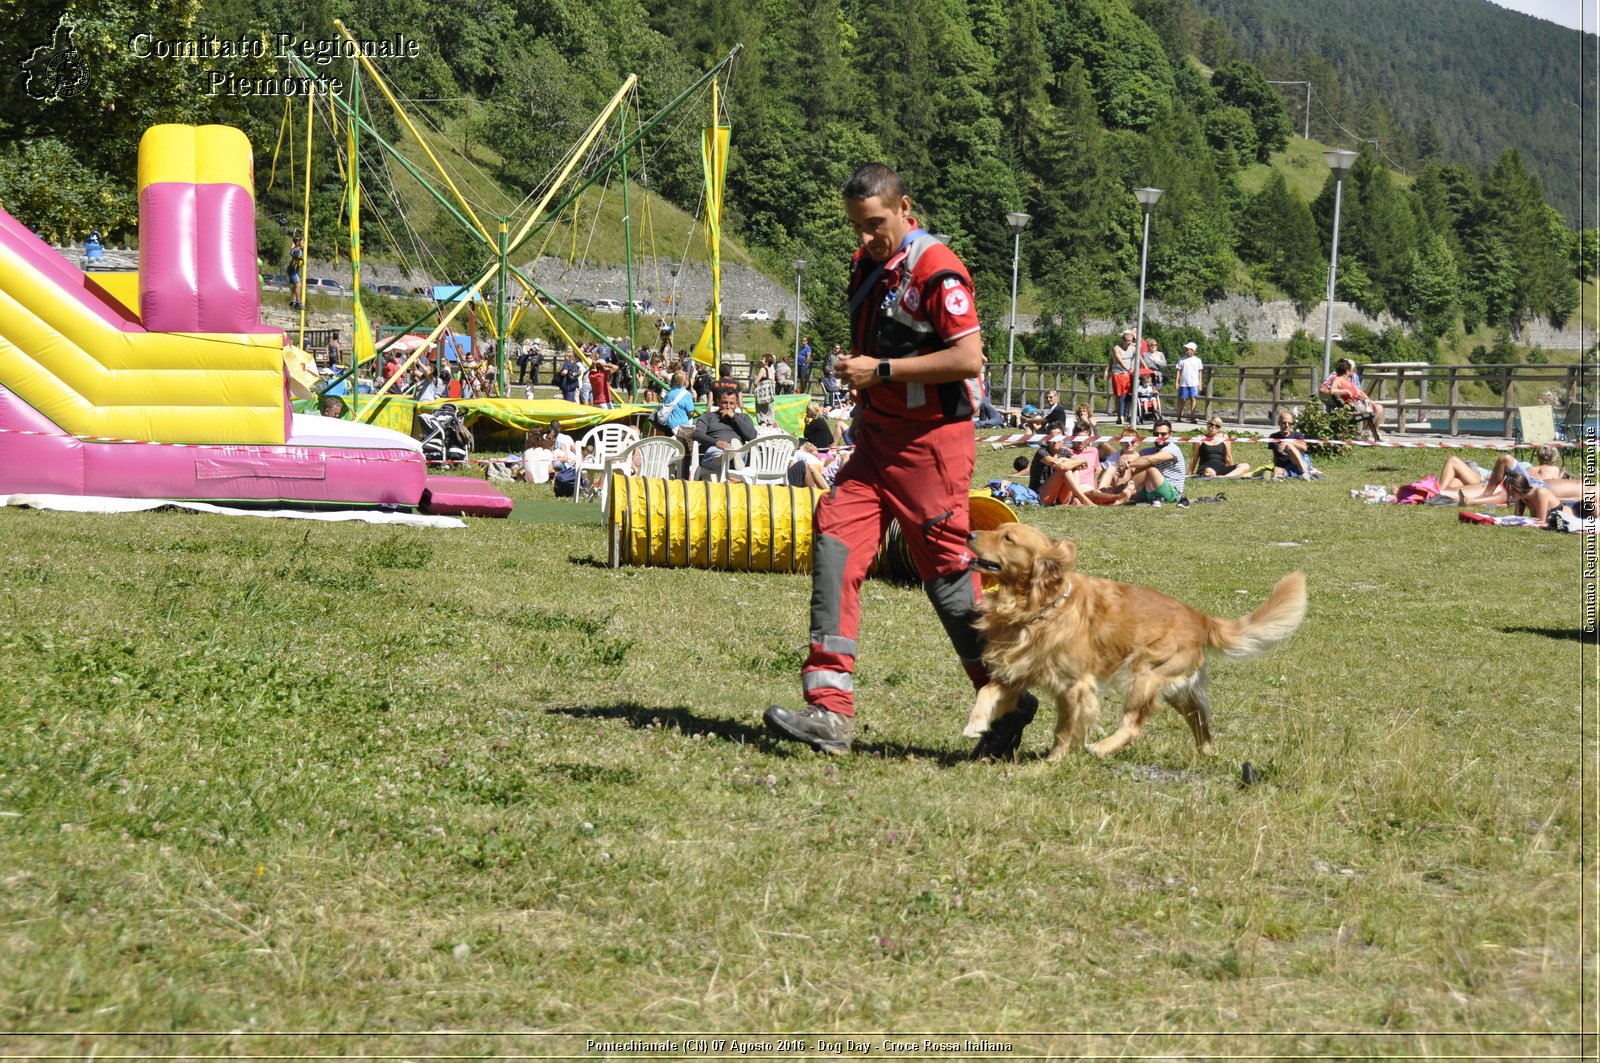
{"x":1147,"y":198}
{"x":799,"y":271}
{"x":1339,"y":162}
{"x":1018,"y":222}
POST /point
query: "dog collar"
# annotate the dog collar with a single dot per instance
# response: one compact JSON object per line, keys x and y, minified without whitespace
{"x":1047,"y":609}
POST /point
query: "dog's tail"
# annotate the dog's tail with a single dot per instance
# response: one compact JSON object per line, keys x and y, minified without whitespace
{"x":1275,"y":620}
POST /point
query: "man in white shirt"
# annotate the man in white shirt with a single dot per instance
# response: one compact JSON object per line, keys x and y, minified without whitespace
{"x":1189,"y":370}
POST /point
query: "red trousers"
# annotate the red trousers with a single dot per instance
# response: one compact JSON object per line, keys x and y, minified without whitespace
{"x":921,"y":475}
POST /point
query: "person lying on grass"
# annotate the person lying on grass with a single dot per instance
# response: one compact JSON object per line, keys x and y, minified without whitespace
{"x":1476,"y":486}
{"x":1540,"y":501}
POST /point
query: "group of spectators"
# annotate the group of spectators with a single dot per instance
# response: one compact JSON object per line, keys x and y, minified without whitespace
{"x":1535,"y":489}
{"x":1131,"y":357}
{"x":1079,"y":468}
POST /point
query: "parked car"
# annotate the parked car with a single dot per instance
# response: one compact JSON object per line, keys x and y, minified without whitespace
{"x":275,"y":282}
{"x":580,"y":304}
{"x":608,"y":306}
{"x":394,"y":291}
{"x":757,"y":314}
{"x":323,"y":286}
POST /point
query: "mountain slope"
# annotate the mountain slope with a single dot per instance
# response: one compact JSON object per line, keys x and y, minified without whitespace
{"x":1487,"y":78}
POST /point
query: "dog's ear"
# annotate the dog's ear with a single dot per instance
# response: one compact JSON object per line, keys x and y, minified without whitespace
{"x":1067,"y":552}
{"x":1050,"y":567}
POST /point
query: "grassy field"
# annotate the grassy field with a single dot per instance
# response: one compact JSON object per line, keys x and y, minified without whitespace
{"x":257,"y":777}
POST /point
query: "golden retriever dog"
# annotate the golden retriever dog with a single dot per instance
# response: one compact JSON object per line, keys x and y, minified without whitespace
{"x":1049,"y":627}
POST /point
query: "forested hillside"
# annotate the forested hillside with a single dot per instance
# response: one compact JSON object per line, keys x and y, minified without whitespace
{"x":1056,"y":107}
{"x":1430,"y":80}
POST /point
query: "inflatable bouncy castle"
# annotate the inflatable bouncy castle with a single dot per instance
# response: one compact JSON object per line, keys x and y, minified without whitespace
{"x":164,"y":383}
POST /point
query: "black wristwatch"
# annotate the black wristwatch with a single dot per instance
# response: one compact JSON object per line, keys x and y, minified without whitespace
{"x":883,"y":369}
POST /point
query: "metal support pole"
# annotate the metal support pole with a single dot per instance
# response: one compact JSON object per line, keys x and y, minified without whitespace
{"x":1138,"y":332}
{"x":799,"y":271}
{"x":627,"y":246}
{"x":1333,"y":272}
{"x":1011,"y":344}
{"x":502,"y":336}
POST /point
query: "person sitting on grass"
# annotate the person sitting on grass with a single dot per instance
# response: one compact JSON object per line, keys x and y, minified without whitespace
{"x":1126,"y":447}
{"x":1084,"y":424}
{"x":1047,"y":458}
{"x":1473,"y":485}
{"x":1156,"y":474}
{"x":821,"y":431}
{"x":1051,"y":415}
{"x":1213,"y":454}
{"x":1074,"y":476}
{"x":548,"y":451}
{"x":1290,"y":456}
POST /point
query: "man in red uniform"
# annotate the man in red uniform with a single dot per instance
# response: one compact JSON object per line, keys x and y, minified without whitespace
{"x":914,"y":361}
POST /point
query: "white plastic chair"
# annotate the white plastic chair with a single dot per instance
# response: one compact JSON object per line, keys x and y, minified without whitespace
{"x":596,"y":449}
{"x":659,"y":457}
{"x":764,"y":459}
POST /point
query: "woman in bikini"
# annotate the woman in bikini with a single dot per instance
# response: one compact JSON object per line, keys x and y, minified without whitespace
{"x":1539,"y":497}
{"x":1474,"y":485}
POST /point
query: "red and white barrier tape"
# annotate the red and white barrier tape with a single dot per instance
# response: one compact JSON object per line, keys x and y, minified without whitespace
{"x":1021,"y":438}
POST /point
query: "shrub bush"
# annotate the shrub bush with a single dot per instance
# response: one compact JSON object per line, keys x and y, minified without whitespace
{"x":1317,"y":422}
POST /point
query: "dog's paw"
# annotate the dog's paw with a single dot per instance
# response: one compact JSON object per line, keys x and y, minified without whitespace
{"x":1100,"y":749}
{"x":976,"y":730}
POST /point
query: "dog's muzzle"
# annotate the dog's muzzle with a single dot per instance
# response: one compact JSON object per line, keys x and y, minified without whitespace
{"x":982,"y":564}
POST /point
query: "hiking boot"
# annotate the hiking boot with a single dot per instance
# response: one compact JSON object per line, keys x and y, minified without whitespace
{"x":824,"y":731}
{"x":1004,"y":736}
{"x":1183,"y":501}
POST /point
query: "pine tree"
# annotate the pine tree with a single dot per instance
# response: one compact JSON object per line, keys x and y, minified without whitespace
{"x":1020,"y":96}
{"x":1434,"y":288}
{"x":1078,"y":250}
{"x":1514,"y":208}
{"x":1239,"y":84}
{"x":1377,"y":228}
{"x":1191,"y":236}
{"x":1278,"y":232}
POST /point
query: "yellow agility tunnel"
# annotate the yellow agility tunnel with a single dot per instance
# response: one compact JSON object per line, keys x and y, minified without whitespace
{"x":740,"y":527}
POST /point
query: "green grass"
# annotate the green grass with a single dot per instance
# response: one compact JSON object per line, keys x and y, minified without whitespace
{"x":1302,"y":166}
{"x":260,"y":777}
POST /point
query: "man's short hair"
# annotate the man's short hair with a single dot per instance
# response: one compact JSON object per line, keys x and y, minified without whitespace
{"x":1161,"y":422}
{"x":724,"y":387}
{"x":875,"y":179}
{"x":332,"y":406}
